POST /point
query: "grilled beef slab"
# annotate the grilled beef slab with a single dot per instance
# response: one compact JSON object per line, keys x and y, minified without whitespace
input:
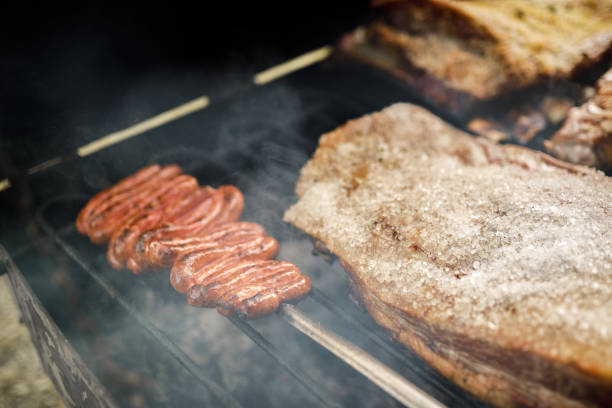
{"x":586,"y":135}
{"x":492,"y":262}
{"x":460,"y":51}
{"x":489,"y":62}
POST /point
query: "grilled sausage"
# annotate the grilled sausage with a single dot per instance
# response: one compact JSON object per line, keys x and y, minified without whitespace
{"x":250,"y":288}
{"x":199,"y":212}
{"x":159,"y":218}
{"x":148,"y":200}
{"x":103,"y":224}
{"x":207,"y":292}
{"x":233,"y":203}
{"x":269,"y":300}
{"x":126,"y":184}
{"x":107,"y":203}
{"x":285,"y":274}
{"x":125,"y":236}
{"x":199,"y":266}
{"x":164,"y":251}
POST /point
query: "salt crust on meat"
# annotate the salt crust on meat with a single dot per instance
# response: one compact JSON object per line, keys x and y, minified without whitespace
{"x":487,"y":250}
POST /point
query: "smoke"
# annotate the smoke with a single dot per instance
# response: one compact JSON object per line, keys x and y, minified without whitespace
{"x":257,"y":141}
{"x":257,"y":138}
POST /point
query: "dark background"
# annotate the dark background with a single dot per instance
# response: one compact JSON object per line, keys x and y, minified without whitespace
{"x":74,"y":72}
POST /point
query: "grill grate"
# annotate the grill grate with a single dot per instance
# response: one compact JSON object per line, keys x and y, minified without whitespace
{"x":271,"y":131}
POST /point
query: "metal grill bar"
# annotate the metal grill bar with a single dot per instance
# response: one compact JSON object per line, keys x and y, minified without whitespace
{"x":323,"y":300}
{"x":269,"y":348}
{"x":390,"y":381}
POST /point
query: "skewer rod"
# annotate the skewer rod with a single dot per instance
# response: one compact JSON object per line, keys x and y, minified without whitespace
{"x":387,"y":379}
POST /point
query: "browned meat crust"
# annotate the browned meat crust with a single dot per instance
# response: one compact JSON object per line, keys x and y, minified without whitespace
{"x":491,"y":262}
{"x":507,"y":67}
{"x":586,"y":135}
{"x":477,"y":50}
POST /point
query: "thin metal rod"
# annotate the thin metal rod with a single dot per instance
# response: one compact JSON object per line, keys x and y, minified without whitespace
{"x":387,"y":379}
{"x":384,"y":344}
{"x":273,"y":352}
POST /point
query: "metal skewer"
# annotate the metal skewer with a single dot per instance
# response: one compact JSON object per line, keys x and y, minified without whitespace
{"x":387,"y":379}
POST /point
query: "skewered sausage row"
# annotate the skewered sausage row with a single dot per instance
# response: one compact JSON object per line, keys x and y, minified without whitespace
{"x":159,"y":218}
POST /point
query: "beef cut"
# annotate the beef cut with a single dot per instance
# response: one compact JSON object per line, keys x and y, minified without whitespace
{"x":492,"y":262}
{"x":499,"y":65}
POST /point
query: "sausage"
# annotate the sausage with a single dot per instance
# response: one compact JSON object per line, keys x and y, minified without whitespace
{"x":164,"y":251}
{"x":285,"y":273}
{"x":127,"y":183}
{"x":126,"y":235}
{"x":148,"y":200}
{"x":269,"y":300}
{"x":114,"y":202}
{"x":140,"y":258}
{"x":183,"y":273}
{"x":207,"y":293}
{"x":172,"y":230}
{"x":202,"y":203}
{"x":198,"y":266}
{"x":173,"y":212}
{"x":233,"y":203}
{"x":252,"y":289}
{"x":218,"y":272}
{"x":102,"y":225}
{"x":159,"y":218}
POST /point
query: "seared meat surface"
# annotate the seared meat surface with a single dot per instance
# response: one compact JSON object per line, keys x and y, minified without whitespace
{"x":507,"y":69}
{"x":492,"y":262}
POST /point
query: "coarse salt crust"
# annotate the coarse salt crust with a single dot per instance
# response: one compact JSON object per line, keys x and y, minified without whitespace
{"x":498,"y":243}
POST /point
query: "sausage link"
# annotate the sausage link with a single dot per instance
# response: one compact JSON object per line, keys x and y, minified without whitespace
{"x":103,"y":225}
{"x":285,"y":272}
{"x":117,"y":202}
{"x":183,"y":273}
{"x":164,"y":251}
{"x":209,"y":250}
{"x":198,"y":219}
{"x":263,"y":303}
{"x":126,"y":235}
{"x":224,"y":269}
{"x":191,"y":210}
{"x":139,"y":251}
{"x":227,"y":306}
{"x":233,"y":203}
{"x":134,"y":267}
{"x":206,"y":197}
{"x":127,"y":183}
{"x":224,"y":283}
{"x":177,"y":209}
{"x":147,"y":200}
{"x":182,"y":186}
{"x":202,"y":263}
